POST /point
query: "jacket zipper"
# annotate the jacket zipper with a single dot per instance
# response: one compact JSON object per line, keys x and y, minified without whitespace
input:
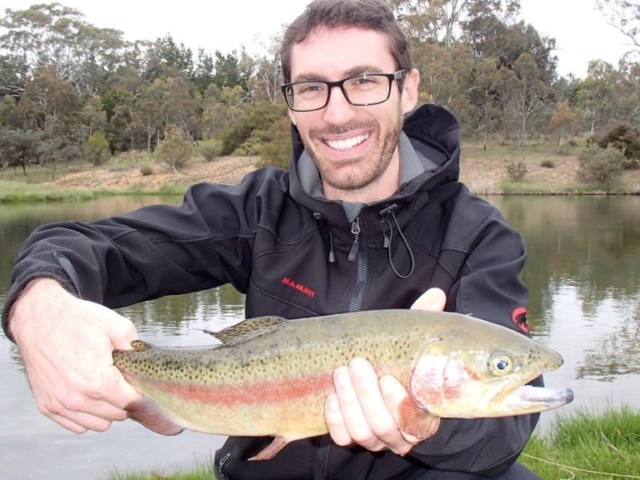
{"x":358,"y":255}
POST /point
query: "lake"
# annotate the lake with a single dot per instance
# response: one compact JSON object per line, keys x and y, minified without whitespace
{"x":583,"y":273}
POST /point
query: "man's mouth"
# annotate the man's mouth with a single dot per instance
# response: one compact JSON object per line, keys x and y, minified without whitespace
{"x":347,"y":143}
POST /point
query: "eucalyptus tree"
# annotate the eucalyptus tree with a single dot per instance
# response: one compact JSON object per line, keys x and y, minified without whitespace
{"x":58,"y":38}
{"x":623,"y":15}
{"x":440,"y":21}
{"x":529,"y":92}
{"x":49,"y":103}
{"x":595,"y":96}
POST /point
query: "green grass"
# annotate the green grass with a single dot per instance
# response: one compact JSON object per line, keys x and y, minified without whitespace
{"x":588,"y":444}
{"x":583,"y":445}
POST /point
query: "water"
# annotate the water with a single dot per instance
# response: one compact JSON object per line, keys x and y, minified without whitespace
{"x":583,"y":274}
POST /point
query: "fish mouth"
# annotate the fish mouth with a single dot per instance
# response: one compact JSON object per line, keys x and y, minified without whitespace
{"x":530,"y":399}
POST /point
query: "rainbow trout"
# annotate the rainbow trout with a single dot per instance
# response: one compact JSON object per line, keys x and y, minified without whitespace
{"x":271,"y":376}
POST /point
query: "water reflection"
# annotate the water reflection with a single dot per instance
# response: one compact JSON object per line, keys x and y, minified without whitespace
{"x":583,"y":274}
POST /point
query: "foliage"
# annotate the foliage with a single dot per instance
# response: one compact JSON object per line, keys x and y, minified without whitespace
{"x":19,"y":148}
{"x":96,"y":150}
{"x":516,"y":170}
{"x":547,"y":164}
{"x":65,"y":78}
{"x":70,"y":154}
{"x":601,"y":166}
{"x":259,"y":123}
{"x":175,"y":150}
{"x":146,"y":170}
{"x":622,"y":137}
{"x":209,"y":149}
{"x":276,"y":152}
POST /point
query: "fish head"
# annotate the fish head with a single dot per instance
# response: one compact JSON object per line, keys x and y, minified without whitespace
{"x":483,"y":373}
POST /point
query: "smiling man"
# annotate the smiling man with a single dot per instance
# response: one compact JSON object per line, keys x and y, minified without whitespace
{"x":370,"y":215}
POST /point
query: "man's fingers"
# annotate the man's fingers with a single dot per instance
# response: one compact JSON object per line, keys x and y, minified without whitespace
{"x":335,"y":421}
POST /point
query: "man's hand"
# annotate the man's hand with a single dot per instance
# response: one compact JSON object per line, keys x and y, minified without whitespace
{"x":66,"y":344}
{"x":371,"y":411}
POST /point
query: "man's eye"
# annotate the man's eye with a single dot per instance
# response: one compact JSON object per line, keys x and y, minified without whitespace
{"x":311,"y":88}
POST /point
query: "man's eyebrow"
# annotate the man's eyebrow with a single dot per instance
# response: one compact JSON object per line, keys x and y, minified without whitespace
{"x":357,"y":70}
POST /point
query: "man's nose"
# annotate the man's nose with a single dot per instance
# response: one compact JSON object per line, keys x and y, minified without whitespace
{"x":338,"y":110}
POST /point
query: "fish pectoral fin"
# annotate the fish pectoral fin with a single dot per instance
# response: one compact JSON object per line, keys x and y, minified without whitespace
{"x":147,"y":413}
{"x":270,"y":451}
{"x":416,"y":421}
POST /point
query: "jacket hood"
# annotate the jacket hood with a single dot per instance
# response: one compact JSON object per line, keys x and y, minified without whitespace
{"x":434,"y":136}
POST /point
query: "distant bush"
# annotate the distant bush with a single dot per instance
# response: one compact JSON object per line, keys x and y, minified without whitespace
{"x":175,"y":150}
{"x":602,"y":166}
{"x":96,"y":150}
{"x":70,"y":154}
{"x":210,"y":149}
{"x":624,"y":138}
{"x":516,"y":170}
{"x":276,"y":152}
{"x":547,"y":164}
{"x":146,"y":170}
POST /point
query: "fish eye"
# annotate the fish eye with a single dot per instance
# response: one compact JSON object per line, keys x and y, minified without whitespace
{"x":500,"y":364}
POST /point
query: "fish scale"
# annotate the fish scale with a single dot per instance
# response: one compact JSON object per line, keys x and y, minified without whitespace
{"x":270,"y":376}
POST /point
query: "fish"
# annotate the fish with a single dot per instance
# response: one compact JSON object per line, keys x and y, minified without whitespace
{"x":269,"y":376}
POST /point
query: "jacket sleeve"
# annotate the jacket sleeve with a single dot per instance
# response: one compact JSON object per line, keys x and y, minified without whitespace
{"x":488,"y":286}
{"x":150,"y":252}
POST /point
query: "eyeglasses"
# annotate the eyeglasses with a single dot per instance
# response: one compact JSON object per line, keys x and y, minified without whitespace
{"x":360,"y":90}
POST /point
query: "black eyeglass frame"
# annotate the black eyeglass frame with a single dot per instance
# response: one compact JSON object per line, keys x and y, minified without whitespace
{"x":398,"y":75}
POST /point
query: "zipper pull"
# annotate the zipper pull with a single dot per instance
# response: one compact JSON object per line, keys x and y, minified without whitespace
{"x":355,"y":230}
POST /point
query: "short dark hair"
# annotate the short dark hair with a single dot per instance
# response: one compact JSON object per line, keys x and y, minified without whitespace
{"x":366,"y":14}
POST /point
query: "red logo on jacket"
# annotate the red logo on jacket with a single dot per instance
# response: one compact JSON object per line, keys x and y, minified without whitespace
{"x":299,"y":287}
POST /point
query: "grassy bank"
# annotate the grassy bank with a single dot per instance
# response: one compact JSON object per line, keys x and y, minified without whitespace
{"x":21,"y":192}
{"x":546,"y":170}
{"x":586,"y":444}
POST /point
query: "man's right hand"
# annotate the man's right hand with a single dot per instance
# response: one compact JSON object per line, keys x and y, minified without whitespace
{"x":66,"y":344}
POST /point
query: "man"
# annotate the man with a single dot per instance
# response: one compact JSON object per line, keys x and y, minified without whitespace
{"x":367,"y":217}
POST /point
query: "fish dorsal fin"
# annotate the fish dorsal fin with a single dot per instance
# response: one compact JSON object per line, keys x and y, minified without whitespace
{"x":248,"y":330}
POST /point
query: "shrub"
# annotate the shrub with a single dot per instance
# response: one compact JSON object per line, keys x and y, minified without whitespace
{"x":146,"y":170}
{"x":175,"y":150}
{"x":624,"y":138}
{"x":547,"y":164}
{"x":70,"y":154}
{"x":516,"y":170}
{"x":602,"y":166}
{"x":210,"y":149}
{"x":96,"y":150}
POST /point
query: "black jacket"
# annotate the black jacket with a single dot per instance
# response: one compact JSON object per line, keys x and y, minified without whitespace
{"x":296,"y":255}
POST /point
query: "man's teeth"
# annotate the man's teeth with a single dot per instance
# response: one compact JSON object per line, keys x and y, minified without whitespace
{"x":347,"y":143}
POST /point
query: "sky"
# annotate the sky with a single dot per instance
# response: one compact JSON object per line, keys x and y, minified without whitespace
{"x":580,"y":31}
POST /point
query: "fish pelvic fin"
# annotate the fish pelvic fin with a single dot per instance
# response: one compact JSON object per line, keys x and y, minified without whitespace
{"x":248,"y":330}
{"x":272,"y":449}
{"x":416,"y":421}
{"x":147,"y":413}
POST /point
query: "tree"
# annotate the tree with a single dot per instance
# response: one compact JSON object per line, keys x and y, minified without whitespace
{"x":164,"y":54}
{"x":440,"y":21}
{"x":49,"y":103}
{"x":624,"y":16}
{"x":96,"y":149}
{"x":561,"y":120}
{"x":56,"y":37}
{"x":20,"y":148}
{"x":528,"y":91}
{"x":176,"y":149}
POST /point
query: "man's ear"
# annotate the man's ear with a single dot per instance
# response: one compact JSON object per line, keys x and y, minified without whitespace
{"x":410,"y":85}
{"x":292,"y":117}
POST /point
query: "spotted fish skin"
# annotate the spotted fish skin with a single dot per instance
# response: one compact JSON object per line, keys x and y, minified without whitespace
{"x":270,"y":376}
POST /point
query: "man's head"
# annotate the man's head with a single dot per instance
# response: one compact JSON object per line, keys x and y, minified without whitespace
{"x":349,"y":81}
{"x":374,"y":15}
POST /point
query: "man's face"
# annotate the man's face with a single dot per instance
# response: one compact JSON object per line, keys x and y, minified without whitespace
{"x":354,"y":148}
